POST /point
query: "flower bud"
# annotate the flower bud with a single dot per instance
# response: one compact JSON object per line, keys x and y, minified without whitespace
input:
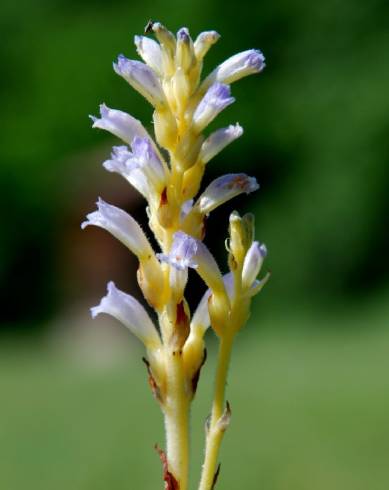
{"x":185,"y":57}
{"x":203,"y":42}
{"x":252,"y":263}
{"x":168,"y":46}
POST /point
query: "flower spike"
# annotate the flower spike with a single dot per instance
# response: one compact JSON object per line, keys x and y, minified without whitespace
{"x":167,"y":170}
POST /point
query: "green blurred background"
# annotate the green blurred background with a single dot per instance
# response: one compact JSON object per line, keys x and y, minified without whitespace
{"x":309,"y":384}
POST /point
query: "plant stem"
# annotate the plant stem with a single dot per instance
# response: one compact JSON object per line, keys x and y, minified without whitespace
{"x":176,"y":412}
{"x":216,"y":431}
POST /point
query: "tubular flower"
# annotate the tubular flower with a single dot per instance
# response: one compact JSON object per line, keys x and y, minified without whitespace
{"x":130,"y":312}
{"x":167,"y":171}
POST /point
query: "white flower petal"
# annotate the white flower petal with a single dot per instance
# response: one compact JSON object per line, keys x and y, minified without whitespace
{"x":217,"y":98}
{"x":142,"y":78}
{"x":150,"y":52}
{"x":203,"y":42}
{"x":218,"y":140}
{"x":237,"y":66}
{"x":120,"y":124}
{"x":224,"y":188}
{"x":130,"y":312}
{"x":142,"y":167}
{"x":122,"y":226}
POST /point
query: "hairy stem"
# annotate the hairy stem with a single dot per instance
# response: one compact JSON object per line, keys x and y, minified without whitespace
{"x":216,"y":430}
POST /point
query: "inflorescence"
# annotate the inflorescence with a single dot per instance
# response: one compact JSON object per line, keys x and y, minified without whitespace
{"x":184,"y":105}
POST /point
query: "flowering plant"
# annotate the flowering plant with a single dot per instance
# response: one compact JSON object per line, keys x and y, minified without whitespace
{"x":169,"y":180}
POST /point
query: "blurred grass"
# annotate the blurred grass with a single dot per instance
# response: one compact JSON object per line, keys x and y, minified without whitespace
{"x":310,"y":411}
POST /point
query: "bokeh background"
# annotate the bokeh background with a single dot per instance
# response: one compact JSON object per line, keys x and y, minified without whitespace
{"x":309,"y":385}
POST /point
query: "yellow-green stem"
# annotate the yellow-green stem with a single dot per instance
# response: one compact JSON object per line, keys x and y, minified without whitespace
{"x":176,"y":413}
{"x":215,"y":431}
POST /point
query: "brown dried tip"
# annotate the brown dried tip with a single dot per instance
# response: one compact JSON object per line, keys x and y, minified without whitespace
{"x":149,"y":26}
{"x":225,"y":419}
{"x":163,"y":201}
{"x":181,"y":327}
{"x":216,"y":476}
{"x":170,"y":482}
{"x":152,"y":383}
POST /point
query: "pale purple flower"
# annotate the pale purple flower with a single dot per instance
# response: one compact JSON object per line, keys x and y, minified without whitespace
{"x":142,"y":167}
{"x":236,"y":67}
{"x":183,"y":35}
{"x":130,"y":312}
{"x":122,"y":226}
{"x":218,"y":140}
{"x":217,"y":98}
{"x":119,"y":123}
{"x":252,"y":263}
{"x":123,"y":163}
{"x":182,"y":253}
{"x":181,"y":256}
{"x":187,"y":251}
{"x":142,"y":78}
{"x":150,"y":51}
{"x":224,"y":188}
{"x":186,"y":208}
